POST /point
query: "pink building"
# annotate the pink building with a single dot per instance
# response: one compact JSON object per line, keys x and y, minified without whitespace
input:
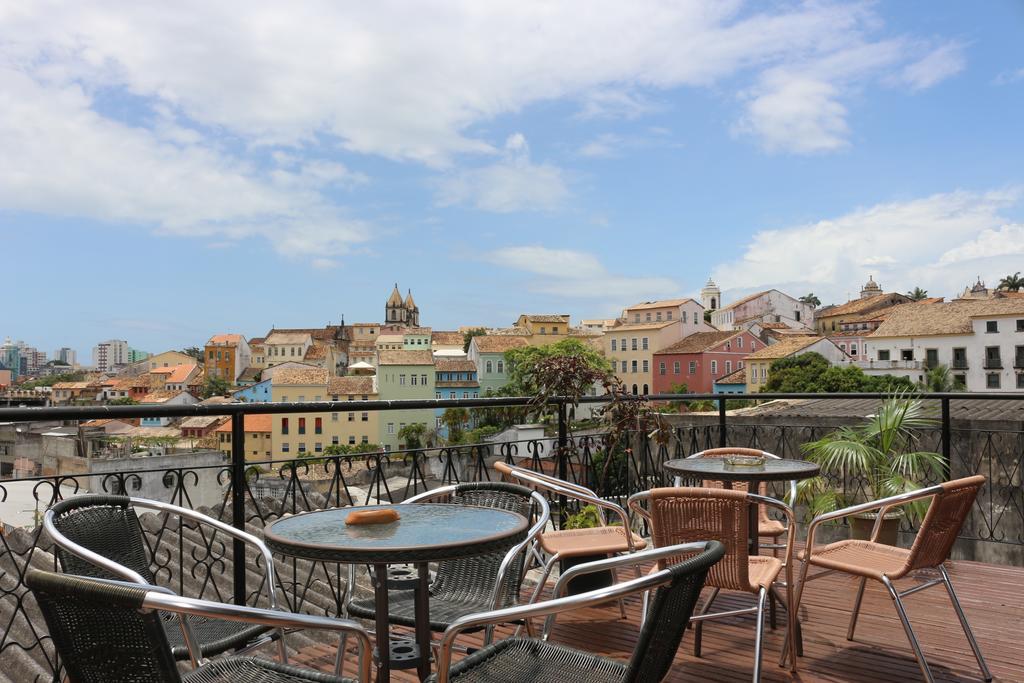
{"x":698,"y":360}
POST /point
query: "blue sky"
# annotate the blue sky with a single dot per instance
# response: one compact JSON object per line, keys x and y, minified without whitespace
{"x":173,"y":171}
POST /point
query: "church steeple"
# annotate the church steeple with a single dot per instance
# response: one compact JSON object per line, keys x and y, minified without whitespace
{"x":399,"y":311}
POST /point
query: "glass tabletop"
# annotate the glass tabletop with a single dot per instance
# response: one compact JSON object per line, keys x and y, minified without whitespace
{"x":424,"y":532}
{"x":718,"y":468}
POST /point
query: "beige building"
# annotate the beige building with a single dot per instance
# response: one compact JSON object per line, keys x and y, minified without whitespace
{"x":758,"y":364}
{"x":542,"y":330}
{"x":353,"y":426}
{"x":257,"y":437}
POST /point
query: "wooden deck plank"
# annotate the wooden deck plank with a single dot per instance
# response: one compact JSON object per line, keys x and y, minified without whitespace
{"x":991,"y":597}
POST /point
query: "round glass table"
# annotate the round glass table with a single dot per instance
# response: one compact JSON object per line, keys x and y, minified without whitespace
{"x":717,"y":469}
{"x":424,"y":533}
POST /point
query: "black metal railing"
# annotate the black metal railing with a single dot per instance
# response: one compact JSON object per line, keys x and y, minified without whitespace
{"x":251,"y":494}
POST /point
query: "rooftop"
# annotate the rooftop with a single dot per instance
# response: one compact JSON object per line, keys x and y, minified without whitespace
{"x":748,"y":298}
{"x":454,"y":365}
{"x":699,"y":342}
{"x":735,"y":377}
{"x":351,"y":385}
{"x":856,"y":306}
{"x":662,"y":303}
{"x":405,"y":358}
{"x":949,"y":318}
{"x":225,"y":339}
{"x":300,"y":376}
{"x":180,"y":373}
{"x":298,"y":337}
{"x":784,"y":347}
{"x":251,"y":423}
{"x":546,"y":318}
{"x":446,"y":338}
{"x":498,"y":343}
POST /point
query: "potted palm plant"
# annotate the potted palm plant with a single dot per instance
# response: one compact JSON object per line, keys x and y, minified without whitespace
{"x":883,"y":453}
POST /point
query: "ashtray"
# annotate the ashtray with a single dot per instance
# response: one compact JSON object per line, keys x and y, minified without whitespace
{"x":744,"y":460}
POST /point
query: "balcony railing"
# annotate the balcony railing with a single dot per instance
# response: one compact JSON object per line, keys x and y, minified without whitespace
{"x":890,"y":365}
{"x":256,"y":493}
{"x":993,"y":364}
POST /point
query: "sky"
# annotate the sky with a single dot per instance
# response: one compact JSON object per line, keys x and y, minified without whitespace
{"x":169,"y":171}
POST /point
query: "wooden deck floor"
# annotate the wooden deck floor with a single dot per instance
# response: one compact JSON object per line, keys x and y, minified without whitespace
{"x":992,"y":598}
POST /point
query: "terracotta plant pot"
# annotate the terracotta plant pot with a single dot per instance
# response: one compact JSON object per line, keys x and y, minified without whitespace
{"x":862,"y":524}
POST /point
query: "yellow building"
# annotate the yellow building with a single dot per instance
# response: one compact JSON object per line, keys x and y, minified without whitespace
{"x":257,"y":437}
{"x":354,"y":426}
{"x":167,"y":359}
{"x":829,"y":321}
{"x":542,"y":330}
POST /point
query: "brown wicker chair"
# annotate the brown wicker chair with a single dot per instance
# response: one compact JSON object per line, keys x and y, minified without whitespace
{"x":766,"y":526}
{"x":951,"y":502}
{"x":569,"y":544}
{"x":681,"y":515}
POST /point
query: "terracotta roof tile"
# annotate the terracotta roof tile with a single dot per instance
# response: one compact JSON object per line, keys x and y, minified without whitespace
{"x":454,"y":365}
{"x":160,"y":396}
{"x":944,"y":318}
{"x":300,"y":376}
{"x":446,"y":338}
{"x":642,"y":326}
{"x":316,"y":352}
{"x":664,"y":303}
{"x":225,"y":339}
{"x":863,"y":305}
{"x":699,"y":342}
{"x":251,"y":423}
{"x":734,"y":377}
{"x":180,"y":374}
{"x":785,"y":347}
{"x":498,"y":343}
{"x":546,"y":318}
{"x":405,"y":358}
{"x":278,"y":337}
{"x":351,"y":385}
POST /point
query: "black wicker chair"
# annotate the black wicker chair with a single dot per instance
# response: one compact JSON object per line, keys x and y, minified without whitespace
{"x":112,"y":632}
{"x":474,"y":584}
{"x":531,"y":660}
{"x":100,"y":536}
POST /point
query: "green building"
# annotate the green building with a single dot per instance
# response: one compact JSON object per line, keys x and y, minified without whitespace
{"x":404,"y":375}
{"x":488,"y":353}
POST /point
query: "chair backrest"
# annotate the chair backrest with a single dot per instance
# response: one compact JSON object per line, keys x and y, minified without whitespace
{"x":946,"y":515}
{"x":668,"y":617}
{"x":685,"y":515}
{"x":106,"y":525}
{"x":101,"y":631}
{"x":762,"y":489}
{"x":477,"y":575}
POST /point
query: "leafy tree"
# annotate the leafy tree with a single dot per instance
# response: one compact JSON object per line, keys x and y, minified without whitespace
{"x":53,"y":379}
{"x":811,"y":373}
{"x":468,"y":337}
{"x":412,"y":434}
{"x":938,"y":379}
{"x":811,"y":299}
{"x":707,"y":317}
{"x":214,"y":386}
{"x":124,"y":401}
{"x":455,"y":420}
{"x":195,"y":352}
{"x":1012,"y":283}
{"x":917,"y":294}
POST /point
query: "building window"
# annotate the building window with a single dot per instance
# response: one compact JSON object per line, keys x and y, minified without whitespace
{"x":437,"y":394}
{"x":646,"y":367}
{"x":622,"y":344}
{"x":739,"y":342}
{"x":1018,"y":357}
{"x":488,"y":366}
{"x":351,"y":439}
{"x":635,"y":392}
{"x":632,"y":344}
{"x":853,"y":349}
{"x":413,"y":380}
{"x":668,"y":315}
{"x":451,"y":394}
{"x":907,"y":354}
{"x":284,"y":425}
{"x":401,"y":380}
{"x":302,"y":425}
{"x":714,"y":367}
{"x":960,"y":359}
{"x":1020,"y":325}
{"x":764,"y":372}
{"x":644,"y":344}
{"x":423,"y":380}
{"x":318,"y":425}
{"x":302,"y":447}
{"x":753,"y":346}
{"x":992,"y":359}
{"x":658,"y":317}
{"x":318,"y":447}
{"x":636,"y":319}
{"x":284,"y":447}
{"x":661,"y":368}
{"x":728,"y":366}
{"x":633,"y":366}
{"x":1020,"y":380}
{"x":364,"y":439}
{"x":675,"y":367}
{"x":693,"y":367}
{"x":992,"y":380}
{"x":647,"y":390}
{"x":623,"y":366}
{"x":334,"y":417}
{"x":931,"y":358}
{"x":883,"y":354}
{"x":991,"y":326}
{"x":334,"y":440}
{"x":391,"y":427}
{"x":543,"y":331}
{"x":613,"y":345}
{"x":351,"y":417}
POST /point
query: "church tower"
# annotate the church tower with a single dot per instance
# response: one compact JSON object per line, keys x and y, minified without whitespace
{"x":412,"y":311}
{"x":711,"y":296}
{"x":394,"y":310}
{"x":870,"y":289}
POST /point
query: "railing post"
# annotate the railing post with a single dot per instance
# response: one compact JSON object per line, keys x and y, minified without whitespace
{"x":238,"y":503}
{"x":947,"y":446}
{"x":563,"y":456}
{"x":722,"y":440}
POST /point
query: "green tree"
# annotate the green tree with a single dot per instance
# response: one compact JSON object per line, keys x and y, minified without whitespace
{"x":811,"y":299}
{"x":455,"y":420}
{"x":53,"y":379}
{"x":1012,"y":283}
{"x":938,"y":379}
{"x":195,"y":352}
{"x":811,"y":373}
{"x":214,"y":386}
{"x":917,"y":294}
{"x":412,"y":434}
{"x":707,"y":317}
{"x":123,"y":401}
{"x":468,"y":337}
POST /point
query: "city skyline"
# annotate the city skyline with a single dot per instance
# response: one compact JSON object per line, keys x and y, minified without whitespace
{"x":494,"y":164}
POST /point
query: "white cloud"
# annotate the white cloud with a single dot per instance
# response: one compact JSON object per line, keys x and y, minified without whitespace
{"x":796,"y":114}
{"x":938,"y":65}
{"x":1009,"y":76}
{"x":934,"y":242}
{"x":578,"y":275}
{"x":604,"y":146}
{"x":61,"y":157}
{"x":410,"y":80}
{"x":512,"y":184}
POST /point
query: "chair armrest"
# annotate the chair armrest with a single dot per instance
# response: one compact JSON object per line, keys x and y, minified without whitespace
{"x":881,"y":504}
{"x":165,"y":602}
{"x":244,"y":536}
{"x":630,"y":560}
{"x":559,"y":605}
{"x":584,"y":496}
{"x":95,"y":558}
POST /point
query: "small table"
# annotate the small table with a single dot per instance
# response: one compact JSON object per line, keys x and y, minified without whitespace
{"x":717,"y":469}
{"x":425,"y":532}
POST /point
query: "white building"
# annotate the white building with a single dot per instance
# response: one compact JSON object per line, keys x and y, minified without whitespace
{"x":771,"y":306}
{"x":286,"y":346}
{"x":66,"y":355}
{"x":981,"y":342}
{"x":110,"y":353}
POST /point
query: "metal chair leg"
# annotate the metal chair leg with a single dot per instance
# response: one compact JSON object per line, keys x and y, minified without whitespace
{"x":762,"y":596}
{"x":963,"y":622}
{"x":698,"y":629}
{"x":795,"y":609}
{"x":856,"y":608}
{"x":925,"y":671}
{"x":339,"y":659}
